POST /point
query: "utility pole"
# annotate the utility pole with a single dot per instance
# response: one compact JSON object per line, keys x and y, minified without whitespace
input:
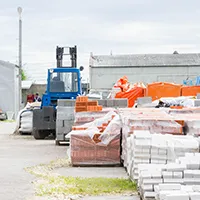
{"x":19,"y":9}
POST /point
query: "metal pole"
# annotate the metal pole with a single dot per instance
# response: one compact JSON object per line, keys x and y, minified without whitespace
{"x":74,"y":65}
{"x":20,"y":57}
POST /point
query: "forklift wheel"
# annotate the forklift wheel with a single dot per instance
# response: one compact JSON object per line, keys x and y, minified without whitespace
{"x":39,"y":135}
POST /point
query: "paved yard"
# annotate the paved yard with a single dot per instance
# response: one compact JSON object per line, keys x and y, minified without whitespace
{"x":19,"y":152}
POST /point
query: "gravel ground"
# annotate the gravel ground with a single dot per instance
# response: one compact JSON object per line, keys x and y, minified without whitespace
{"x":20,"y":152}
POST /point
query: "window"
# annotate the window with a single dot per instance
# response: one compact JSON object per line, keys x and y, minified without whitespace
{"x":64,"y":82}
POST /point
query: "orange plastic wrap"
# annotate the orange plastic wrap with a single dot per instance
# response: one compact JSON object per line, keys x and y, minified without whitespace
{"x":131,"y":95}
{"x":161,"y":89}
{"x":123,"y":84}
{"x":190,"y":90}
{"x":130,"y":92}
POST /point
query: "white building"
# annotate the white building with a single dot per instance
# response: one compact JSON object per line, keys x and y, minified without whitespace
{"x":9,"y":87}
{"x":106,"y":70}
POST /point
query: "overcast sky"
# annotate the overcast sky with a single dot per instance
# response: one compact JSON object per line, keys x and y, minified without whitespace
{"x":123,"y":26}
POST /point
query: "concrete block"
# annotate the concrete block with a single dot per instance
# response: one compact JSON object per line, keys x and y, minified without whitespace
{"x":157,"y":161}
{"x":147,"y":187}
{"x":198,"y":96}
{"x":144,"y":100}
{"x":68,"y":123}
{"x":194,"y":196}
{"x":62,"y":130}
{"x":175,"y":167}
{"x":167,"y":175}
{"x":196,"y":188}
{"x":178,"y":175}
{"x":156,"y":174}
{"x":153,"y":181}
{"x":121,"y":103}
{"x":102,"y":102}
{"x":141,"y":161}
{"x":144,"y":144}
{"x":179,"y":196}
{"x":141,"y":150}
{"x":110,"y":103}
{"x":152,"y":174}
{"x":149,"y":195}
{"x":192,"y":181}
{"x":65,"y":113}
{"x":154,"y":151}
{"x":60,"y":123}
{"x":162,"y":151}
{"x":158,"y":156}
{"x":168,"y":187}
{"x":193,"y":166}
{"x":66,"y":102}
{"x":65,"y":116}
{"x":165,"y":180}
{"x":189,"y":173}
{"x":197,"y":102}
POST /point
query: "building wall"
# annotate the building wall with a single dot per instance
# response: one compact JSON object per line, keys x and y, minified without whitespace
{"x":9,"y":88}
{"x":40,"y":88}
{"x":104,"y":78}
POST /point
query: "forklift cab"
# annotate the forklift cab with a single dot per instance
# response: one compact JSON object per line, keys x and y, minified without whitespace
{"x":62,"y":83}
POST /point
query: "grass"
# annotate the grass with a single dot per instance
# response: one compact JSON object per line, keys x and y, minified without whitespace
{"x":51,"y":184}
{"x":8,"y":120}
{"x":85,"y":186}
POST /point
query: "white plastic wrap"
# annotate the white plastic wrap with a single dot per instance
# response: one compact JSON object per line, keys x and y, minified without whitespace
{"x":99,"y":144}
{"x":111,"y":131}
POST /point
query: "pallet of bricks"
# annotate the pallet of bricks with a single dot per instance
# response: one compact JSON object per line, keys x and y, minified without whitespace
{"x":97,"y":142}
{"x":88,"y":110}
{"x":85,"y":105}
{"x":151,"y":120}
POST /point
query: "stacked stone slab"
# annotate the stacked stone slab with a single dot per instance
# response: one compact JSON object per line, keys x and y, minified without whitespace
{"x":144,"y":148}
{"x":177,"y":192}
{"x":113,"y":103}
{"x":65,"y":118}
{"x":185,"y":171}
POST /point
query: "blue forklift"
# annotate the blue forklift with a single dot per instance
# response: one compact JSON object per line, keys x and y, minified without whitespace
{"x":62,"y":83}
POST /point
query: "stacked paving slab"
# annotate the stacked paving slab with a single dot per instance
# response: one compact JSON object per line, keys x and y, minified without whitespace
{"x":65,"y":118}
{"x":171,"y":181}
{"x":146,"y":148}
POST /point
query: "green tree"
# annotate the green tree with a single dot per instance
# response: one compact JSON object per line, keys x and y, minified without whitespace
{"x":23,"y":75}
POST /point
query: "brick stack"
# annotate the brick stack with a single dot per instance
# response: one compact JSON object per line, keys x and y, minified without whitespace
{"x":85,"y":105}
{"x":85,"y":151}
{"x":98,"y":144}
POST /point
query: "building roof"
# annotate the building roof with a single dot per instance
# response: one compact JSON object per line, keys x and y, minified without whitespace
{"x":144,"y":60}
{"x":26,"y":84}
{"x":7,"y":64}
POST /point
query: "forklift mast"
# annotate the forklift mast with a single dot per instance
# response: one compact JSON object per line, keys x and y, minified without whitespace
{"x":71,"y":51}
